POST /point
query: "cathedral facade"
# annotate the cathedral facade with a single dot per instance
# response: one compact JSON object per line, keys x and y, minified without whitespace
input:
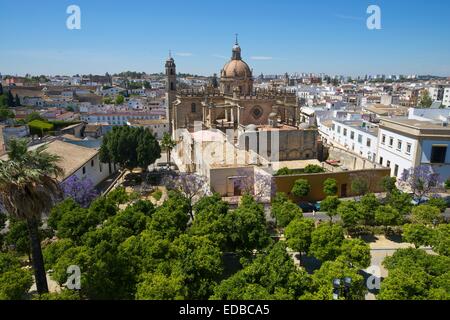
{"x":233,"y":103}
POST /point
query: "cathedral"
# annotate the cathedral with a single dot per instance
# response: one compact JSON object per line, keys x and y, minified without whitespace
{"x":234,"y":103}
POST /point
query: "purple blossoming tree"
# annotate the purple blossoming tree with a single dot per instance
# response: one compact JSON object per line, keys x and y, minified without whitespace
{"x":421,"y":181}
{"x":80,"y":190}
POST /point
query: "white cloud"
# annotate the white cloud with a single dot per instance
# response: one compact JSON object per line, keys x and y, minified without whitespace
{"x":184,"y":54}
{"x":261,"y":58}
{"x":220,"y":56}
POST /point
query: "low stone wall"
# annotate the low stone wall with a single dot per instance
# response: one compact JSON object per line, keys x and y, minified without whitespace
{"x":343,"y":178}
{"x":350,"y":160}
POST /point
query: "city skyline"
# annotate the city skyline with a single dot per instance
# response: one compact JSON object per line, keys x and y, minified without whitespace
{"x":322,"y":37}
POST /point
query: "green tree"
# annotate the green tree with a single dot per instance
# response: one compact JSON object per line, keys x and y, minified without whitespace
{"x":330,"y":205}
{"x":441,"y":240}
{"x":5,"y":113}
{"x":210,"y":220}
{"x":272,"y":275}
{"x":389,"y":184}
{"x":404,"y":284}
{"x":17,"y":101}
{"x":330,"y":187}
{"x":10,"y":100}
{"x":200,"y":263}
{"x":284,"y":210}
{"x":326,"y":242}
{"x":359,"y":186}
{"x":350,"y":213}
{"x":285,"y":171}
{"x":356,"y":252}
{"x":298,"y":234}
{"x":15,"y":281}
{"x":368,"y":205}
{"x":107,"y":100}
{"x":425,"y":100}
{"x":301,"y":188}
{"x":27,"y":190}
{"x":34,"y":116}
{"x":248,"y":228}
{"x":167,"y":144}
{"x":425,"y":214}
{"x":387,"y":216}
{"x":158,"y":286}
{"x":417,"y":234}
{"x":313,"y":168}
{"x":130,"y":147}
{"x":120,"y":99}
{"x":415,"y":275}
{"x":18,"y":237}
{"x":171,"y":218}
{"x":322,"y":281}
{"x":400,"y":201}
{"x":438,"y":202}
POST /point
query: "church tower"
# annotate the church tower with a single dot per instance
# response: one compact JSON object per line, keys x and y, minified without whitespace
{"x":171,"y":89}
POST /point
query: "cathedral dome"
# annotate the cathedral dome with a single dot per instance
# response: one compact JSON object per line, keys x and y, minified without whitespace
{"x":236,"y":69}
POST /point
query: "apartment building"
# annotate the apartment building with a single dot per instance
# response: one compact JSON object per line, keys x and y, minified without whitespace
{"x":407,"y":143}
{"x":359,"y":137}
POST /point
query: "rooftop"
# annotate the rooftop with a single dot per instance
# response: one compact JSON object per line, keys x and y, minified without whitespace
{"x":73,"y":157}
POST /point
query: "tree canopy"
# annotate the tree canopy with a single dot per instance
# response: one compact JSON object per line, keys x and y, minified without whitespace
{"x":130,"y":147}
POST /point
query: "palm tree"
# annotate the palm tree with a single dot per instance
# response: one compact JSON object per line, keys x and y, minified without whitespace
{"x":167,"y":144}
{"x":28,"y":188}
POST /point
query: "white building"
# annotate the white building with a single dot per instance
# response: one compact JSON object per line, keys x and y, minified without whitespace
{"x":359,"y":137}
{"x":78,"y":161}
{"x":157,"y":127}
{"x":408,"y":143}
{"x":446,"y":98}
{"x":118,"y":118}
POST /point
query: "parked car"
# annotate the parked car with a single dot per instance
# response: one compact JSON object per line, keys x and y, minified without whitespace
{"x":309,"y":206}
{"x":419,"y":201}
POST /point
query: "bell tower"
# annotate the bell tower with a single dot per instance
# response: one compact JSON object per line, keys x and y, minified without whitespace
{"x":171,"y":89}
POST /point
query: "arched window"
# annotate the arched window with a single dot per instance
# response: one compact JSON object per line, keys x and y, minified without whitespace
{"x":172,"y":86}
{"x":193,"y":108}
{"x":171,"y":72}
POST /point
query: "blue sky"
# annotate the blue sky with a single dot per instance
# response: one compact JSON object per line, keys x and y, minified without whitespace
{"x":276,"y":36}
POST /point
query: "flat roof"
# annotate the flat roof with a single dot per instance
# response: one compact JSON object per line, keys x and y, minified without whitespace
{"x":417,"y":124}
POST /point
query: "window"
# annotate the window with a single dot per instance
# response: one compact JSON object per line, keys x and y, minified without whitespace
{"x":84,"y":170}
{"x":408,"y":148}
{"x":359,"y":138}
{"x":92,"y":162}
{"x":339,"y":129}
{"x":396,"y":170}
{"x":100,"y":166}
{"x":352,"y":135}
{"x":381,"y":160}
{"x":172,"y":86}
{"x":399,"y":145}
{"x":333,"y":127}
{"x":438,"y":154}
{"x":345,"y":132}
{"x":383,"y":139}
{"x":193,"y":108}
{"x":368,"y":142}
{"x":391,"y":141}
{"x":388,"y":164}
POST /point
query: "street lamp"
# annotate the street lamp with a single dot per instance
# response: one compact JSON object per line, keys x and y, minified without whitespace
{"x":337,"y":287}
{"x":339,"y":290}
